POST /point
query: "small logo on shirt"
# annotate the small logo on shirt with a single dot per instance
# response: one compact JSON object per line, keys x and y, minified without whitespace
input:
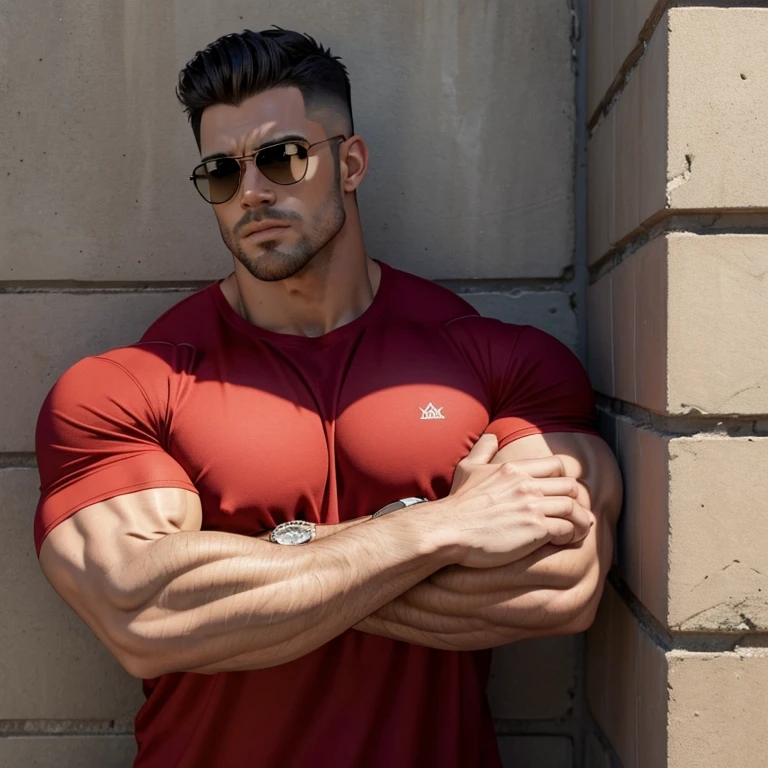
{"x":430,"y":412}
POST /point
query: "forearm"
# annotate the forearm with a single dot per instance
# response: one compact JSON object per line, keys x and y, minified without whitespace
{"x":553,"y":591}
{"x":209,"y":602}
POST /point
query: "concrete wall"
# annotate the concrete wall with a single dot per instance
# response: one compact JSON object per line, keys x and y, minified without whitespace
{"x":469,"y":110}
{"x":677,"y":663}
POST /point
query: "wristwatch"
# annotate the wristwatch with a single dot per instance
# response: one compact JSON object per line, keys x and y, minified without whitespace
{"x":293,"y":532}
{"x":296,"y":532}
{"x":399,"y":504}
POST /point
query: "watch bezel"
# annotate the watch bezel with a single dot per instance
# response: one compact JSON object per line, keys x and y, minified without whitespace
{"x":291,"y":526}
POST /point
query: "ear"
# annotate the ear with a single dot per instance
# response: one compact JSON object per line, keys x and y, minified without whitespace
{"x":353,"y":156}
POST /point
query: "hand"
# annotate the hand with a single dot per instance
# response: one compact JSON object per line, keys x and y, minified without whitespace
{"x":503,"y":512}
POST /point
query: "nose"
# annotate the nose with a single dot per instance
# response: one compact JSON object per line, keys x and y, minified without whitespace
{"x":256,"y":189}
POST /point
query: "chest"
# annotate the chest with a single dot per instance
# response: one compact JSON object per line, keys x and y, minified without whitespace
{"x":272,"y":435}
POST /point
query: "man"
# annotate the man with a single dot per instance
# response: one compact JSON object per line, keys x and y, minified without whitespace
{"x":317,"y":385}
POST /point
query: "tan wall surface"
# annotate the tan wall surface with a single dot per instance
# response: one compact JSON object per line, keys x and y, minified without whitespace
{"x":469,"y":113}
{"x":676,"y":661}
{"x":469,"y":116}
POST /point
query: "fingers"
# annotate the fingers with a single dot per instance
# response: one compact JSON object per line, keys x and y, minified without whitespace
{"x":559,"y":509}
{"x":547,"y":466}
{"x":483,"y":450}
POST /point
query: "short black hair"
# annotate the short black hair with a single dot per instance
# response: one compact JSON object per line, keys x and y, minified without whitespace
{"x":237,"y":66}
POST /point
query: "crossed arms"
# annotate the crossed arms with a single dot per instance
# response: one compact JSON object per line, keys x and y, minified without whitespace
{"x":520,"y":548}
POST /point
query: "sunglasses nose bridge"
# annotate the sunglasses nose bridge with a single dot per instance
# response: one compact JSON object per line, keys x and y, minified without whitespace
{"x":252,"y":181}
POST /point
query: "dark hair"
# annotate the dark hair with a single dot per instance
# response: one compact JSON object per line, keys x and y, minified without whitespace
{"x":237,"y":66}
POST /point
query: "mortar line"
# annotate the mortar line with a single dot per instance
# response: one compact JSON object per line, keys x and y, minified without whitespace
{"x":64,"y":728}
{"x":19,"y":460}
{"x":671,"y":640}
{"x":684,"y":425}
{"x":629,"y":65}
{"x":579,"y":47}
{"x":461,"y":285}
{"x":696,"y":221}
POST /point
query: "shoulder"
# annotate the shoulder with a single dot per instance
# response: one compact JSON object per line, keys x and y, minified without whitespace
{"x":137,"y":377}
{"x":188,"y":322}
{"x":420,"y":300}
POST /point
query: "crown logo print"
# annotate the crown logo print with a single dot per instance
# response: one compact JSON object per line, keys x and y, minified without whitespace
{"x":430,"y":412}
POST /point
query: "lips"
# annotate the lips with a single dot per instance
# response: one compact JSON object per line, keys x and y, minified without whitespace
{"x":253,"y":229}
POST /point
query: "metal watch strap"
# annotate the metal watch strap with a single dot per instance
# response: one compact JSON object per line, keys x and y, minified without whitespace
{"x":399,"y":504}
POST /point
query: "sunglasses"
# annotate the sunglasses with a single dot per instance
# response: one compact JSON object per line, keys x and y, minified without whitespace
{"x":218,"y":179}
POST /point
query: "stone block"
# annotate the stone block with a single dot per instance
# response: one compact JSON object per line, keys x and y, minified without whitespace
{"x":688,"y":326}
{"x":654,"y":153}
{"x":627,"y":685}
{"x":614,"y":31}
{"x":627,"y":155}
{"x":45,"y":333}
{"x":536,"y":752}
{"x":67,"y":751}
{"x":52,"y":667}
{"x":722,"y":161}
{"x":718,"y":548}
{"x":717,"y":709}
{"x":469,"y":117}
{"x":718,"y":324}
{"x":596,"y":754}
{"x":681,"y":544}
{"x":549,"y":310}
{"x":533,"y":679}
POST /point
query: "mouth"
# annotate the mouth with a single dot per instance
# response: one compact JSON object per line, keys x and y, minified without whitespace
{"x":263,"y":230}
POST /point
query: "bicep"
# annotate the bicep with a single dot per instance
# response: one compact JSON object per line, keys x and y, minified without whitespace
{"x":87,"y":557}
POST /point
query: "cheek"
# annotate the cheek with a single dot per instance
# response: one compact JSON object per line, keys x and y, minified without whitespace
{"x":226,"y":218}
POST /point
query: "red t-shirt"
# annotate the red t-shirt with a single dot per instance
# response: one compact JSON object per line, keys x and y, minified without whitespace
{"x":268,"y":427}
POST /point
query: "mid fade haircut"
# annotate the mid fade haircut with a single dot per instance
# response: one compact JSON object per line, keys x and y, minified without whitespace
{"x":237,"y":66}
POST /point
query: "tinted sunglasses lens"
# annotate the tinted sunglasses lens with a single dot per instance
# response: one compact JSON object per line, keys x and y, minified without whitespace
{"x":218,"y":180}
{"x":283,"y":163}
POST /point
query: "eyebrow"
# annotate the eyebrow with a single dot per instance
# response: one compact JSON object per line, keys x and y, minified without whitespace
{"x":268,"y":143}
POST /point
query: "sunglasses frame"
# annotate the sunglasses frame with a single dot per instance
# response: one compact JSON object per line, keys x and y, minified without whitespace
{"x":242,"y":159}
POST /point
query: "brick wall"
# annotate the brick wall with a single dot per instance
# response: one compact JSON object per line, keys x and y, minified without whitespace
{"x":471,"y":119}
{"x":677,"y":665}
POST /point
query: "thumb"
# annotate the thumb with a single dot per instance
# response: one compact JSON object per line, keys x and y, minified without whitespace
{"x":484,"y":449}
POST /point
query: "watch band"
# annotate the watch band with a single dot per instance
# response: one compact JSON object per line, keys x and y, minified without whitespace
{"x":399,"y":504}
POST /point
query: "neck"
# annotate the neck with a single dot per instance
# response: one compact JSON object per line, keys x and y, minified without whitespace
{"x":336,"y":287}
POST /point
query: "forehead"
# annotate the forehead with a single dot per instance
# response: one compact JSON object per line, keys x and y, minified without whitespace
{"x":225,"y":128}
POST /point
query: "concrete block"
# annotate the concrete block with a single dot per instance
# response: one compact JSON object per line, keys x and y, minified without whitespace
{"x":549,"y":310}
{"x":717,"y":709}
{"x":627,"y":329}
{"x":596,"y":755}
{"x":51,"y":666}
{"x":45,"y":333}
{"x":67,"y":751}
{"x":718,"y":324}
{"x":689,"y":326}
{"x":681,"y":544}
{"x":655,"y":153}
{"x":643,"y":532}
{"x":627,"y":685}
{"x":627,"y":154}
{"x":720,"y":162}
{"x":533,"y":679}
{"x":600,"y":344}
{"x":614,"y":31}
{"x":538,"y":751}
{"x":718,"y":548}
{"x":469,"y":117}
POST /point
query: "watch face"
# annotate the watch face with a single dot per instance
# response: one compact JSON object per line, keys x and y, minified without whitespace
{"x":291,"y":534}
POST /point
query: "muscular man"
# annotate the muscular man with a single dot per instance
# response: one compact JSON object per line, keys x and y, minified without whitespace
{"x":315,"y":384}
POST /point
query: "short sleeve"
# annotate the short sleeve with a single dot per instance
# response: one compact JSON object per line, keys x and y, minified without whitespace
{"x":101,"y":433}
{"x":538,"y":385}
